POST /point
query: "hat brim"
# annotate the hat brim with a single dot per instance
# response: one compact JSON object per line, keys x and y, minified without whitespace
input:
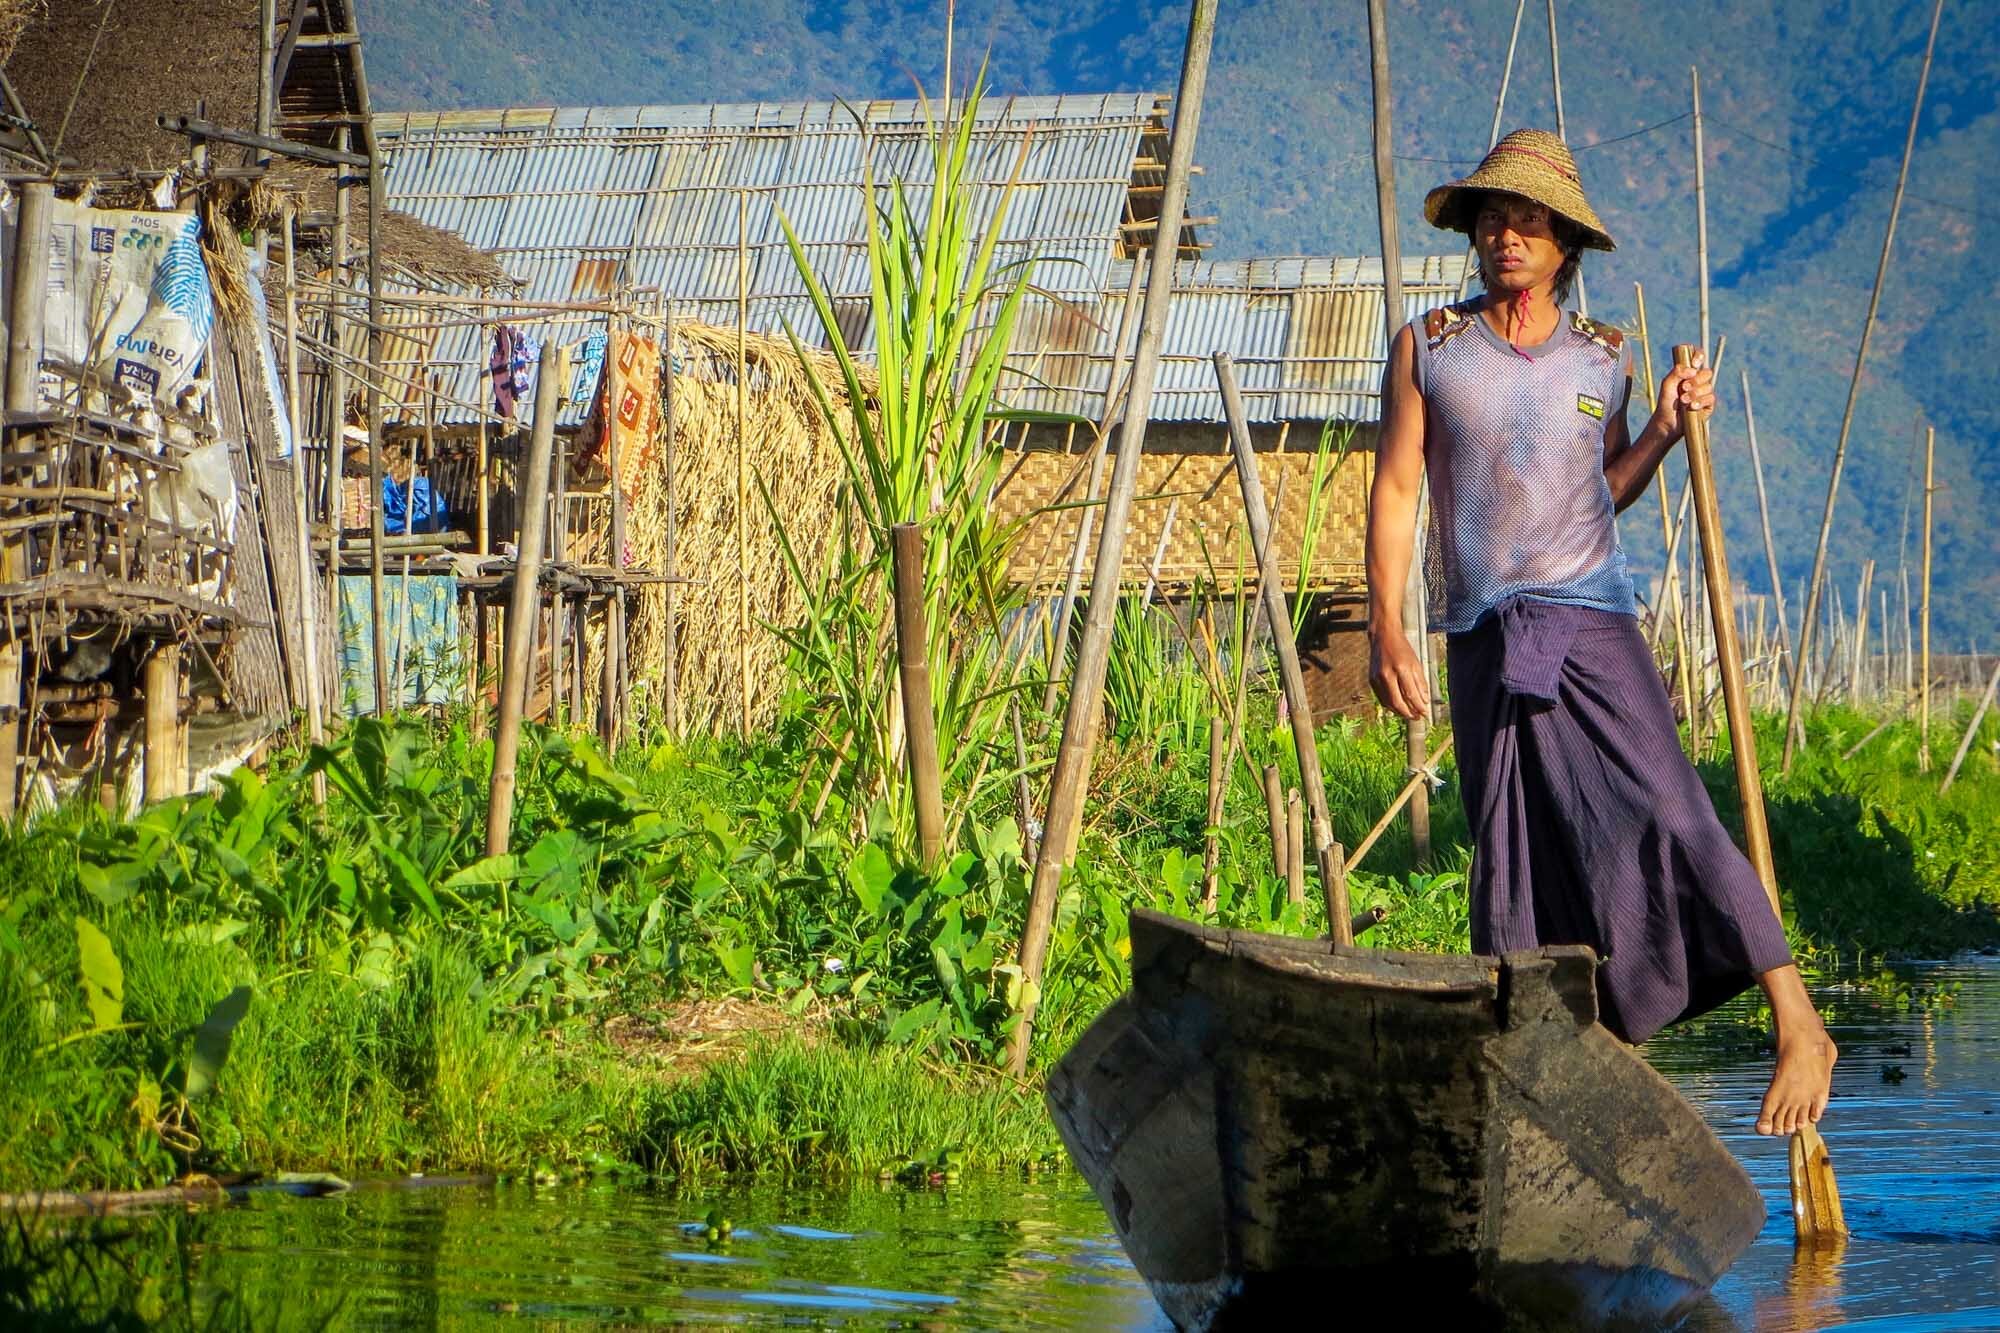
{"x":1451,"y":206}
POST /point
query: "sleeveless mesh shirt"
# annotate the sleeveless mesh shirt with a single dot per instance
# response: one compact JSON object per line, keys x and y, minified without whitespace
{"x":1514,"y":451}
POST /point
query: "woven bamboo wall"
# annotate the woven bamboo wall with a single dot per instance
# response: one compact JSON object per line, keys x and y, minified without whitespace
{"x":1202,"y":492}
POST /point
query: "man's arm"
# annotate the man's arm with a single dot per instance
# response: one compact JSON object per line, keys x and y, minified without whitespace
{"x":1629,"y":464}
{"x":1394,"y":669}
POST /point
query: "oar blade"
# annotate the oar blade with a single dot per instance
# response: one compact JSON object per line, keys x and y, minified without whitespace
{"x":1816,"y":1209}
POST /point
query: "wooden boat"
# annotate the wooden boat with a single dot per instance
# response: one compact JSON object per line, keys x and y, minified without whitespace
{"x":1275,"y":1127}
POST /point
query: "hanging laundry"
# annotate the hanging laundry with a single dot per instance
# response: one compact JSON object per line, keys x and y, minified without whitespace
{"x":500,"y":370}
{"x":527,"y":354}
{"x":587,"y":357}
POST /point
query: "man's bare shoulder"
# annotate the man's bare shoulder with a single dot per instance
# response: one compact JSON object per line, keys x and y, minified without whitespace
{"x":1447,"y":322}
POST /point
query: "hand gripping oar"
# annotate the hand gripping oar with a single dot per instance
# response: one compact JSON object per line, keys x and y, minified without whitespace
{"x":1815,"y":1197}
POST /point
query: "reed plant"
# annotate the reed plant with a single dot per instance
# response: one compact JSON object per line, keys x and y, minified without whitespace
{"x":918,"y":446}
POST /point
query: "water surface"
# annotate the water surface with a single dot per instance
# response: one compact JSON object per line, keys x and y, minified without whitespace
{"x":1918,"y":1163}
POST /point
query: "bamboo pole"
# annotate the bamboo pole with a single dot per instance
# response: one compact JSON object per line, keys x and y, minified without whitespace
{"x":24,"y":334}
{"x":377,"y":202}
{"x":1924,"y":615}
{"x":301,"y":514}
{"x":1295,"y":848}
{"x":1770,"y":547}
{"x":1700,"y":214}
{"x":1854,"y":389}
{"x":1857,"y":668}
{"x":742,"y":457}
{"x":336,"y":400}
{"x":906,"y":550}
{"x":1562,"y":132}
{"x":165,"y":777}
{"x":1218,"y":763}
{"x":1735,"y":698}
{"x":670,"y":682}
{"x":1493,"y":134}
{"x":1972,"y":728}
{"x":1072,"y":768}
{"x":1263,"y":542}
{"x":1114,"y":396}
{"x":485,"y":529}
{"x":1414,"y":729}
{"x":1274,"y":814}
{"x":517,"y":666}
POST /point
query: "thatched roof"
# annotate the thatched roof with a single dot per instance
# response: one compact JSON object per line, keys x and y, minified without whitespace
{"x":431,"y":252}
{"x":14,"y":16}
{"x":153,"y":58}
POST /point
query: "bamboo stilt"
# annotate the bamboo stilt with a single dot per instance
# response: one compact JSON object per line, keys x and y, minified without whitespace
{"x":517,"y":666}
{"x":11,"y":721}
{"x":166,"y":775}
{"x":1857,"y":672}
{"x":378,"y":203}
{"x":1854,"y":387}
{"x":1924,"y":615}
{"x":24,"y":336}
{"x":301,"y":514}
{"x":1070,"y":779}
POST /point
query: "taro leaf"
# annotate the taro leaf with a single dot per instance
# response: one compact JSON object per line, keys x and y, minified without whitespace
{"x":103,"y":978}
{"x":913,"y":1021}
{"x":211,"y":1040}
{"x":209,"y":932}
{"x":870,"y":875}
{"x":502,"y":869}
{"x":554,"y":863}
{"x":736,"y":960}
{"x":112,"y":884}
{"x":407,"y":878}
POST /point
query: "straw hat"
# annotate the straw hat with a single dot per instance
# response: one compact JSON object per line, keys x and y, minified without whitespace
{"x":1533,"y":164}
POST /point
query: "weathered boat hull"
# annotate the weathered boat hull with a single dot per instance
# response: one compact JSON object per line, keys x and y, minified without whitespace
{"x":1272,"y":1126}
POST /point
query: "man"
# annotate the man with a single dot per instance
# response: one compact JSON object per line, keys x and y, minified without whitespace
{"x":1589,"y":824}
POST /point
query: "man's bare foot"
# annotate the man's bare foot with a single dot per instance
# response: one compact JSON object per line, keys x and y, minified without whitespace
{"x":1802,"y":1081}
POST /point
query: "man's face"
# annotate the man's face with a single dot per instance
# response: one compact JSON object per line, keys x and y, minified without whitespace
{"x":1517,"y":243}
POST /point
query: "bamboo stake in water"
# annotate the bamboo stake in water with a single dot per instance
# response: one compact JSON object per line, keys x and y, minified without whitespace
{"x":1072,"y":769}
{"x":1327,"y":852}
{"x":516,"y":667}
{"x":1806,"y":623}
{"x":906,"y":551}
{"x":1924,"y":616}
{"x":1736,"y":700}
{"x":1972,"y":729}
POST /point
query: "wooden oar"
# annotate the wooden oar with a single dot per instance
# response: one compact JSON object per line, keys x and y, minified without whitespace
{"x":1815,"y":1198}
{"x":1816,"y":1214}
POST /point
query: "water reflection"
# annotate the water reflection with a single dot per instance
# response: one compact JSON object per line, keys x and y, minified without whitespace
{"x":1918,"y":1164}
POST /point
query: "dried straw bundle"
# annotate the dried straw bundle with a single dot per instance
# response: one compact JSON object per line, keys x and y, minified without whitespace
{"x":794,"y":456}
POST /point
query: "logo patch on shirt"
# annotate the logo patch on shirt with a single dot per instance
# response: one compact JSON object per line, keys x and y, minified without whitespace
{"x":1590,"y":407}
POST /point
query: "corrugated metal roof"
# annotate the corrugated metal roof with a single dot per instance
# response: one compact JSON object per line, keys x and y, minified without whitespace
{"x":1306,"y":333}
{"x":577,"y":203}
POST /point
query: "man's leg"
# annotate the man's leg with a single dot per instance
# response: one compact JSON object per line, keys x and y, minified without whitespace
{"x":1804,"y":1076}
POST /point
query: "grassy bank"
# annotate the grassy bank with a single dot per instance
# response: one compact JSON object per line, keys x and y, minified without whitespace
{"x":408,"y":1004}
